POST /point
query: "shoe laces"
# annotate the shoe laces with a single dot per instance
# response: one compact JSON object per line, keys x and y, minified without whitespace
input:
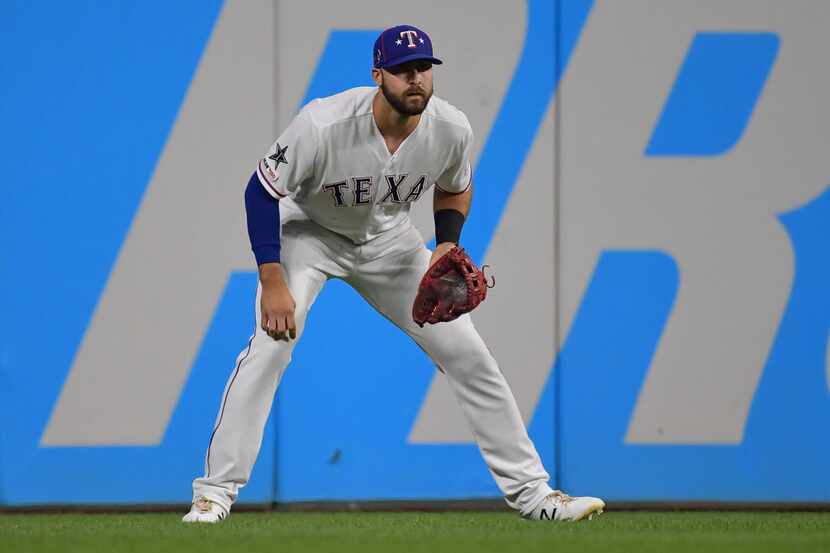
{"x":203,"y":504}
{"x":560,"y":498}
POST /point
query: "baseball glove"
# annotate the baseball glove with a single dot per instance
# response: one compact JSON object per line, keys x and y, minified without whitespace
{"x":451,"y":287}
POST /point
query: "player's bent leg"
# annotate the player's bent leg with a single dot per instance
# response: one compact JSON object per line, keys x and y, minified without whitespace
{"x":490,"y":409}
{"x":478,"y":384}
{"x":237,"y":435}
{"x":249,"y":393}
{"x":474,"y":376}
{"x":243,"y":412}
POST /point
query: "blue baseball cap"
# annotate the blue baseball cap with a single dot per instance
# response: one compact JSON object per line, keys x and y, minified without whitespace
{"x":401,"y":44}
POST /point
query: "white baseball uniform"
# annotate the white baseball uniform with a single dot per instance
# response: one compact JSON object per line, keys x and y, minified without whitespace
{"x":344,"y":210}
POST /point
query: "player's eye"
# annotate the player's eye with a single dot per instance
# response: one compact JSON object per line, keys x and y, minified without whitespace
{"x":399,"y":69}
{"x":404,"y":68}
{"x":423,"y":66}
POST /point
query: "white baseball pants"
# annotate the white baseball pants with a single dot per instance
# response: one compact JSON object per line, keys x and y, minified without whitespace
{"x":386,"y":272}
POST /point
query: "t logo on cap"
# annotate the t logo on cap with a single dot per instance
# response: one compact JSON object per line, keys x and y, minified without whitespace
{"x":388,"y":49}
{"x":409,"y":34}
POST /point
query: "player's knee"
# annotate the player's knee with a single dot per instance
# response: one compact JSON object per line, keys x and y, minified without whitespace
{"x":472,"y":362}
{"x":273,"y":354}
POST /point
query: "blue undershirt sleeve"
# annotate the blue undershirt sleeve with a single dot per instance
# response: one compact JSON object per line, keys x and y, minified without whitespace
{"x":263,"y":212}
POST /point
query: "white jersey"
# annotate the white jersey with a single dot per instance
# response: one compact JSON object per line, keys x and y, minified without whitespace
{"x":333,"y":162}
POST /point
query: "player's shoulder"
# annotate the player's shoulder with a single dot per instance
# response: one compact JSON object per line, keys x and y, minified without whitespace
{"x":449,"y":117}
{"x":346,"y":105}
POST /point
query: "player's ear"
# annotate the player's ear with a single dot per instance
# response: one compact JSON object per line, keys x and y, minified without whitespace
{"x":376,"y":76}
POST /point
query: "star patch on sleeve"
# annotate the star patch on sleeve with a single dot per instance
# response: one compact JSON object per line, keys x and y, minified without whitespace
{"x":279,"y":156}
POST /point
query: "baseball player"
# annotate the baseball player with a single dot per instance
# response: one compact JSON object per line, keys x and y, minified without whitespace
{"x":331,"y":199}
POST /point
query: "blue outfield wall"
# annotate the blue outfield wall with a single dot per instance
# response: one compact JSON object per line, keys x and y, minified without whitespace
{"x":84,"y":126}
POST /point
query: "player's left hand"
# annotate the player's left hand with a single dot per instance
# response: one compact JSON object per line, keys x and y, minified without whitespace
{"x":439,"y":252}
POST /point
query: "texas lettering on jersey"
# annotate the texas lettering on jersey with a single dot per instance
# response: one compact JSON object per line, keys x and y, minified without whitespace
{"x":357,"y":191}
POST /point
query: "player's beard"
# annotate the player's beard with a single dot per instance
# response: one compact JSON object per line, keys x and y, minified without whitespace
{"x":399,"y":104}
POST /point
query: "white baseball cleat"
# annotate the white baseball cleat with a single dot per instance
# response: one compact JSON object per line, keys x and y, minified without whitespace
{"x":560,"y":506}
{"x":205,"y":510}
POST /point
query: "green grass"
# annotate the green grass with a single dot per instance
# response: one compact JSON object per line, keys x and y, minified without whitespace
{"x":698,"y":532}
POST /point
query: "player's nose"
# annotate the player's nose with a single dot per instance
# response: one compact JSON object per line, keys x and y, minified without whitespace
{"x":414,"y":76}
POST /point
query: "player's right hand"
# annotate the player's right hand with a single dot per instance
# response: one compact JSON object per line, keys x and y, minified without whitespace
{"x":276,"y":305}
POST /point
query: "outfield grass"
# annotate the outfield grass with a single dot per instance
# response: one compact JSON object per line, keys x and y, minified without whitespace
{"x":419,"y":532}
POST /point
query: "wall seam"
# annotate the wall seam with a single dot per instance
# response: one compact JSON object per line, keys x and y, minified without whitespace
{"x":557,"y":177}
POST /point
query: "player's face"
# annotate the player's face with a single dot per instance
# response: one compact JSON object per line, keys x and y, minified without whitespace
{"x":408,"y":86}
